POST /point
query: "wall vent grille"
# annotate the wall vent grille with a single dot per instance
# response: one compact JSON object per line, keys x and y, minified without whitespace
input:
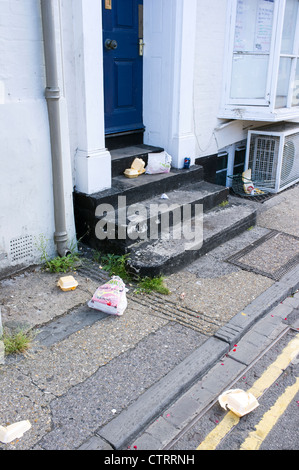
{"x":21,"y":248}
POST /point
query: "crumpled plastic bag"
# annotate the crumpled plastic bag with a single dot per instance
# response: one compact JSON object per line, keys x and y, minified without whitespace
{"x":158,"y":163}
{"x":238,"y":401}
{"x":111,"y":297}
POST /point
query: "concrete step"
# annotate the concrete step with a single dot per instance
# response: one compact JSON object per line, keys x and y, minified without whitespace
{"x":164,"y":257}
{"x":140,"y":188}
{"x":134,"y":190}
{"x":122,"y":158}
{"x":146,"y":219}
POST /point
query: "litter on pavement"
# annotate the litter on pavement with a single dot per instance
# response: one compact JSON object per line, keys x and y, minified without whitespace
{"x":67,"y":283}
{"x":13,"y":431}
{"x":110,"y":297}
{"x":238,"y":401}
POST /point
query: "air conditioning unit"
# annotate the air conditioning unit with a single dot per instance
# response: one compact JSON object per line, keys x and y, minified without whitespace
{"x":272,"y":154}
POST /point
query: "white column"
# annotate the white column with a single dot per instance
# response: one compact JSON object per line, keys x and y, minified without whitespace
{"x":170,"y":27}
{"x":182,"y":137}
{"x":93,"y":160}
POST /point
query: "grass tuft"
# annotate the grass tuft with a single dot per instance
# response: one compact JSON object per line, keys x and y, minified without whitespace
{"x":62,"y":264}
{"x":117,"y":265}
{"x":155,"y":284}
{"x":17,"y":342}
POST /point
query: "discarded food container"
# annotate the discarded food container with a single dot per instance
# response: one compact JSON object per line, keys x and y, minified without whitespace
{"x":238,"y":401}
{"x":138,"y":164}
{"x":67,"y":283}
{"x":13,"y":431}
{"x":131,"y":173}
{"x":110,"y":297}
{"x":137,"y":168}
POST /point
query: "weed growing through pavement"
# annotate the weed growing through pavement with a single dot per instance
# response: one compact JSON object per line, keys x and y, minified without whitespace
{"x":62,"y":264}
{"x":17,"y":342}
{"x":59,"y":264}
{"x":155,"y":284}
{"x":117,"y":265}
{"x":223,"y":204}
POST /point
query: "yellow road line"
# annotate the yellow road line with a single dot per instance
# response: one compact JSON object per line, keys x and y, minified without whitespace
{"x":271,"y":374}
{"x":256,"y":438}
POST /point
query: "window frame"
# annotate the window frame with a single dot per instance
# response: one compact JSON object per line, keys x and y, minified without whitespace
{"x":262,"y":109}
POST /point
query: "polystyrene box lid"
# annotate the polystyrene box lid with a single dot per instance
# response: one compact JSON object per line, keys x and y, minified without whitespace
{"x":67,"y":283}
{"x":238,"y":401}
{"x":138,"y":165}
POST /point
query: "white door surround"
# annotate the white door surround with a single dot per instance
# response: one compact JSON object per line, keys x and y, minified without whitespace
{"x":93,"y":161}
{"x":169,"y":52}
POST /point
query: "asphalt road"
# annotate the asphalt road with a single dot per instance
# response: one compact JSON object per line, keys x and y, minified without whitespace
{"x":273,"y":425}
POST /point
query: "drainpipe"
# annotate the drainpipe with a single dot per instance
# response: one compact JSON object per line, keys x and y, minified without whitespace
{"x":52,"y":94}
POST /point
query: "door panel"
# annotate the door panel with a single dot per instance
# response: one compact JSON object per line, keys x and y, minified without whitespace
{"x":122,"y":66}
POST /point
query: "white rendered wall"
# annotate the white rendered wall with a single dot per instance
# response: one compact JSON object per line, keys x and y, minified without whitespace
{"x":169,"y":36}
{"x":213,"y":134}
{"x":26,"y":197}
{"x":208,"y":74}
{"x":184,"y":58}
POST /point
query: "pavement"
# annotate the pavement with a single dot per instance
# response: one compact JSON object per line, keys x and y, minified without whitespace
{"x":92,"y":381}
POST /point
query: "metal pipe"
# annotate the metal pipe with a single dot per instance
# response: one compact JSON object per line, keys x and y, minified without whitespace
{"x":52,"y":94}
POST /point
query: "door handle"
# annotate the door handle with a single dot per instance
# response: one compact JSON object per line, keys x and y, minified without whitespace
{"x":110,"y":44}
{"x":141,"y":44}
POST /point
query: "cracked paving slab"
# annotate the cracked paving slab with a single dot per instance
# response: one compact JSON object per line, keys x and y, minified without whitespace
{"x":33,"y":298}
{"x":22,"y":399}
{"x":282,"y":213}
{"x":91,"y":404}
{"x":219,"y":299}
{"x":28,"y":385}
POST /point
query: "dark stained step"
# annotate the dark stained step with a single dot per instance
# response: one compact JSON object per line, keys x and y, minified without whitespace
{"x":164,"y":257}
{"x":124,"y":139}
{"x":146,"y":219}
{"x":122,"y":158}
{"x":140,"y":188}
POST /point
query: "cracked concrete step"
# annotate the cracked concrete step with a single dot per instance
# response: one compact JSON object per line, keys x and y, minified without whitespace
{"x":164,"y":257}
{"x":134,"y":190}
{"x":146,"y":219}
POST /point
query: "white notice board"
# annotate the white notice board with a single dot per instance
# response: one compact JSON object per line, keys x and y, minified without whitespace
{"x":254,"y":23}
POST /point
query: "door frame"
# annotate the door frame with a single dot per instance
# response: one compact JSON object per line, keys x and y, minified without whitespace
{"x":121,"y":120}
{"x":169,"y":37}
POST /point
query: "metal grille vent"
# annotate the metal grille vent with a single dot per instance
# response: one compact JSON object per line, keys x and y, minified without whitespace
{"x":263,"y":158}
{"x":21,"y":248}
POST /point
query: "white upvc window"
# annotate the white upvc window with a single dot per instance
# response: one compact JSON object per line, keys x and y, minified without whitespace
{"x":262,"y":71}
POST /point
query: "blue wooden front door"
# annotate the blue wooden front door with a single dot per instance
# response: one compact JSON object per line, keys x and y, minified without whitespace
{"x":122,"y":29}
